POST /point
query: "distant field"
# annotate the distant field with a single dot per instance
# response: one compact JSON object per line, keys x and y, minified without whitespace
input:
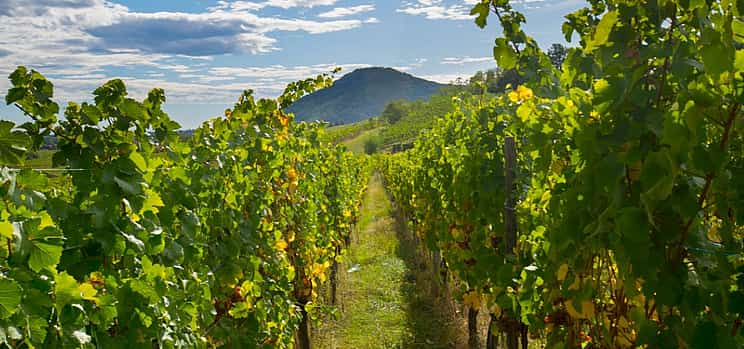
{"x":344,"y":133}
{"x":43,"y":161}
{"x":356,"y":144}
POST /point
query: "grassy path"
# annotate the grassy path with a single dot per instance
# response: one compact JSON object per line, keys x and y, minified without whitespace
{"x":383,"y":289}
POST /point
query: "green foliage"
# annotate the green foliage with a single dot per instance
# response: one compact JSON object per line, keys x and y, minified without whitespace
{"x":343,"y":133}
{"x":557,"y":54}
{"x":629,"y":160}
{"x":219,"y":240}
{"x":371,"y":145}
{"x":394,"y":111}
{"x":493,"y":81}
{"x":419,"y":116}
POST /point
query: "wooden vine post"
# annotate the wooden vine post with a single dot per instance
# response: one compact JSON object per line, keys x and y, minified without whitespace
{"x":510,"y":232}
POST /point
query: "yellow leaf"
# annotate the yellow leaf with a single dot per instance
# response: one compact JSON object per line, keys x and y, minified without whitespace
{"x":152,"y":202}
{"x":524,"y":92}
{"x":562,"y":271}
{"x":292,"y":174}
{"x":247,"y":287}
{"x":6,"y":230}
{"x":281,"y":245}
{"x":88,"y":292}
{"x":46,"y":220}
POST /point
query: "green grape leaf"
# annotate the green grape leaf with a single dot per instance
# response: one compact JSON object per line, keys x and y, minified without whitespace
{"x":12,"y":144}
{"x":737,"y":26}
{"x":46,"y":249}
{"x":10,"y":297}
{"x":65,"y":290}
{"x":504,"y":54}
{"x":602,"y":33}
{"x":138,"y":160}
{"x":153,"y":271}
{"x":716,"y":56}
{"x":739,"y":61}
{"x":128,"y":186}
{"x":482,"y":10}
{"x":36,"y":329}
{"x":92,"y":113}
{"x":133,"y":109}
{"x":15,"y":94}
{"x":657,"y":176}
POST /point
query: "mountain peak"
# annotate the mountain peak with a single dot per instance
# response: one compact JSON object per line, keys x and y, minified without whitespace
{"x":362,"y":94}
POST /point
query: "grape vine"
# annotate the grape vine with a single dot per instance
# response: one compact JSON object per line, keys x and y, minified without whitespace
{"x":629,"y":180}
{"x":221,"y":240}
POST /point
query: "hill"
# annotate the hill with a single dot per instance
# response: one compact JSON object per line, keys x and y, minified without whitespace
{"x":361,"y":94}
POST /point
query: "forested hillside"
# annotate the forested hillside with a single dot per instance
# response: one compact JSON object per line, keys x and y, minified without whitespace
{"x":362,"y":94}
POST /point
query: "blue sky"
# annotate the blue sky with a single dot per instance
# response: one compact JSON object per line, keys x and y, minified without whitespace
{"x":205,"y":52}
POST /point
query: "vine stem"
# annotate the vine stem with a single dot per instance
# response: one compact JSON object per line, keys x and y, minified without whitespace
{"x":710,"y":176}
{"x":667,"y":62}
{"x":217,"y":319}
{"x":501,"y":20}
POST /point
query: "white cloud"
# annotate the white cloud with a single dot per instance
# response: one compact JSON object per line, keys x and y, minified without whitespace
{"x":446,"y":78}
{"x":82,"y":36}
{"x":283,"y":4}
{"x":346,"y":11}
{"x":465,"y":60}
{"x":216,"y":32}
{"x":79,"y":44}
{"x":299,"y":3}
{"x":282,"y":74}
{"x":451,"y":10}
{"x":438,"y":9}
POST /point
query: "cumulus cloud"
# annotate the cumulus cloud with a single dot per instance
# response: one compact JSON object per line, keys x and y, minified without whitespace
{"x":438,"y":9}
{"x":346,"y":11}
{"x":80,"y":44}
{"x":452,"y":9}
{"x":103,"y":29}
{"x":283,"y":4}
{"x":220,"y":31}
{"x":280,"y":73}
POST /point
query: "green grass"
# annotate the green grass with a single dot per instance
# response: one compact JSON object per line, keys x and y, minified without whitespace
{"x":341,"y":133}
{"x":43,"y":160}
{"x":385,"y":304}
{"x":356,"y":144}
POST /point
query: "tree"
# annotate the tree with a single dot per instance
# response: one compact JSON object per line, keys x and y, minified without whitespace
{"x":371,"y":145}
{"x":394,"y":111}
{"x":495,"y":80}
{"x":557,"y":54}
